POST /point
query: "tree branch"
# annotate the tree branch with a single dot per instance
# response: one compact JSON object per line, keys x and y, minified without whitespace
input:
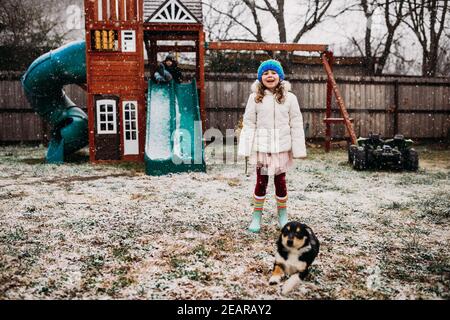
{"x":315,"y":19}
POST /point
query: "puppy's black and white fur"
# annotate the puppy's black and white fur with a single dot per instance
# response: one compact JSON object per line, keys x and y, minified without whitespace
{"x":297,"y":247}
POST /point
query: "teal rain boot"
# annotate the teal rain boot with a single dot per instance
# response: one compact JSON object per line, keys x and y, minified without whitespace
{"x":282,"y":211}
{"x":255,"y":225}
{"x":258,"y":203}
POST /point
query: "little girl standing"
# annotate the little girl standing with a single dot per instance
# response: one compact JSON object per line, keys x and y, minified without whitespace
{"x":272,"y":136}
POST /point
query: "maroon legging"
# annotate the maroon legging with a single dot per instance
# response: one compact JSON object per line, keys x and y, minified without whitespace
{"x":263,"y":179}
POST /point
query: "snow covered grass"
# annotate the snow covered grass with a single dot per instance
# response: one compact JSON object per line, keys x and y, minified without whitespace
{"x":109,"y":231}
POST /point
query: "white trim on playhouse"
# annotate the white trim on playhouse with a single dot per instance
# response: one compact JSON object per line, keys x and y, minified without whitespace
{"x":106,"y":116}
{"x":130,"y":128}
{"x":173,"y":12}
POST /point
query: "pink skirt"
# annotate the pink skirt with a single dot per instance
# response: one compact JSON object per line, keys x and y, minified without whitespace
{"x":274,"y":163}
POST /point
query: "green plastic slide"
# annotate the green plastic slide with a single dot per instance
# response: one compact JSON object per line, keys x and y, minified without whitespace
{"x":43,"y":85}
{"x":174,"y":129}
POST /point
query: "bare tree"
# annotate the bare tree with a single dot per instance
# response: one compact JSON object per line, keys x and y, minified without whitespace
{"x":244,"y":20}
{"x":377,"y":48}
{"x":427,"y":21}
{"x":369,"y":8}
{"x":395,"y":9}
{"x":230,"y":21}
{"x":250,"y":15}
{"x":443,"y":68}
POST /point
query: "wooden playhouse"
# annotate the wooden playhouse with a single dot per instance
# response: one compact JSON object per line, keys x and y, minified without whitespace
{"x":117,"y":32}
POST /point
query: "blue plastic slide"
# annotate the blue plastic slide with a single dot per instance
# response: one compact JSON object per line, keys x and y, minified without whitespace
{"x":174,"y":129}
{"x":43,"y":85}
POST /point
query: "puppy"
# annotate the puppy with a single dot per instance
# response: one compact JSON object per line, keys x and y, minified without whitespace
{"x":297,"y":247}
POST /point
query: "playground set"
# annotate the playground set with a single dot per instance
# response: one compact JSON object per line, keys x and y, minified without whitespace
{"x":129,"y":117}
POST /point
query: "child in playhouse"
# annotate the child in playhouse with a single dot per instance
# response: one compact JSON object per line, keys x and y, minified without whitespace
{"x":272,"y":136}
{"x":168,"y":70}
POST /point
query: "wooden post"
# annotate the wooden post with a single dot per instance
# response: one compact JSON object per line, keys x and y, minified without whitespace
{"x":140,"y":10}
{"x":90,"y":10}
{"x":45,"y":133}
{"x":131,"y":10}
{"x":105,"y":11}
{"x":266,"y":46}
{"x":112,"y":10}
{"x":201,"y":75}
{"x":396,"y":105}
{"x":153,"y":57}
{"x":346,"y":118}
{"x":121,"y":10}
{"x":329,"y":56}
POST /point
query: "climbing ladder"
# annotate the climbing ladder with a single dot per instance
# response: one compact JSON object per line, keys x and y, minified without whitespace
{"x":327,"y":60}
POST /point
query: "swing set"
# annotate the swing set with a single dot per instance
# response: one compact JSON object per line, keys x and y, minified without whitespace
{"x":327,"y":61}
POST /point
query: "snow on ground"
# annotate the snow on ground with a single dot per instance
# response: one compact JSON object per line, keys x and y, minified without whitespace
{"x":159,"y":135}
{"x":88,"y":231}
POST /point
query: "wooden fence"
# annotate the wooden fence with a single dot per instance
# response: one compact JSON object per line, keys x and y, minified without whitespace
{"x":415,"y":107}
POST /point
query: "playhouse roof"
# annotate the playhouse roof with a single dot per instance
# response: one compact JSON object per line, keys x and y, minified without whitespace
{"x":193,"y":6}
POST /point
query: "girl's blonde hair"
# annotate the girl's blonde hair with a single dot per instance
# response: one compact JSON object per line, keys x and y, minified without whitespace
{"x":278,"y":92}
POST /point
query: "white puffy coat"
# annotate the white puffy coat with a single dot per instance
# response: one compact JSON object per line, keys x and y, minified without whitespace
{"x":272,"y":127}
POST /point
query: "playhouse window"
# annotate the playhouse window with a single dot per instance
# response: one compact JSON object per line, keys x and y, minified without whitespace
{"x":104,"y":40}
{"x":106,"y":117}
{"x":128,"y":41}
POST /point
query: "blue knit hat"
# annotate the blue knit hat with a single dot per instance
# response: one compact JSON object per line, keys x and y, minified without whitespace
{"x":270,"y":65}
